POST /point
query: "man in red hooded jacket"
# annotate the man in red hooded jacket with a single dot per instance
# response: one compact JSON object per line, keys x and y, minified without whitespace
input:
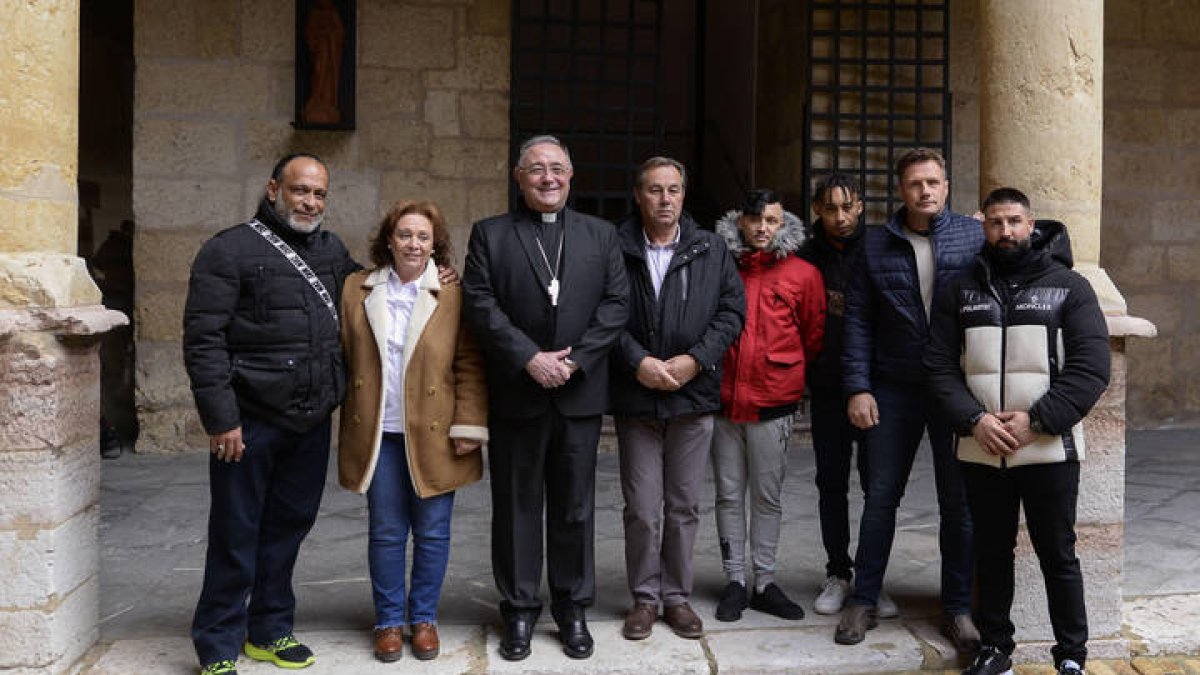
{"x":762,"y":383}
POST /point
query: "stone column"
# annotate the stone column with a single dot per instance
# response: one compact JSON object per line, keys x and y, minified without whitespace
{"x":50,"y":315}
{"x":1041,"y":131}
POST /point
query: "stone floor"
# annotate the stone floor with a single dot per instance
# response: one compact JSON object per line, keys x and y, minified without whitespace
{"x":152,"y":536}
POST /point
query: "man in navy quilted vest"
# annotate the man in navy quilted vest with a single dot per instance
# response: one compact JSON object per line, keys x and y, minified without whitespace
{"x":922,"y":248}
{"x":1018,"y":355}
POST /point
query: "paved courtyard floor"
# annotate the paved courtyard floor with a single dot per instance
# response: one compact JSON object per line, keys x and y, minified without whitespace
{"x":154,"y":508}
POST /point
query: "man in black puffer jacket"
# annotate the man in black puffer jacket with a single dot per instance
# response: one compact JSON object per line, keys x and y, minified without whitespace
{"x":1018,"y":355}
{"x":260,"y":343}
{"x":922,"y":247}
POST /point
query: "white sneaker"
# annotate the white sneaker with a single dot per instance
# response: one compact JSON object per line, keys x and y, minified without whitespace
{"x":833,"y":596}
{"x":886,"y":606}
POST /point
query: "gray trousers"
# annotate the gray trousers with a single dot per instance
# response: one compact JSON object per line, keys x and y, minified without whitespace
{"x":750,"y":456}
{"x":662,"y":469}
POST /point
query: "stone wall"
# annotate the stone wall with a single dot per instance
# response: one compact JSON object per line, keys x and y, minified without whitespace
{"x":964,"y":93}
{"x":214,"y":99}
{"x":1151,"y":242}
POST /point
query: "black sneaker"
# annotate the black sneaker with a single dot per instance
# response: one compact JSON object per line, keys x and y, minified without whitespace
{"x":774,"y":602}
{"x":1069,"y":667}
{"x":990,"y":661}
{"x":733,"y":601}
{"x":286,"y":652}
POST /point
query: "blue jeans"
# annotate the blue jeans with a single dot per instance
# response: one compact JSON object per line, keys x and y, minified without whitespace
{"x":262,"y":508}
{"x":905,"y":412}
{"x":395,"y":509}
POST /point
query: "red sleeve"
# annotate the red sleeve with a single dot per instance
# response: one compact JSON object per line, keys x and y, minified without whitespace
{"x":810,"y":311}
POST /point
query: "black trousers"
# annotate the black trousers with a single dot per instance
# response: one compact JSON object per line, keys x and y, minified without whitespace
{"x":1049,"y":493}
{"x":543,"y":463}
{"x":834,"y":438}
{"x":262,"y":508}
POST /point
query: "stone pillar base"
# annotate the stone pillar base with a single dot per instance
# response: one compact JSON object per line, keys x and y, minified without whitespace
{"x":49,"y":479}
{"x":1100,"y":523}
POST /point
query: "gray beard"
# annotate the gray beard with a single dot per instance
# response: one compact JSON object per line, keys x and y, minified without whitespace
{"x":302,"y":228}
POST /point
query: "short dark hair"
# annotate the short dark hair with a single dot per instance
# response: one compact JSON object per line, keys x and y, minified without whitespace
{"x":277,"y":172}
{"x":382,"y":257}
{"x":1005,"y":195}
{"x":656,"y":162}
{"x":758,"y":200}
{"x":833,"y":181}
{"x":916,"y":156}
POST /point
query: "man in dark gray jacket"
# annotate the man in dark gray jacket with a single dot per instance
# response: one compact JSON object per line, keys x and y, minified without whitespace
{"x":260,"y":343}
{"x":1018,"y":355}
{"x":686,"y":307}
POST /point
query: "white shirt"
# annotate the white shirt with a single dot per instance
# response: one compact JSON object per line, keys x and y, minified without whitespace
{"x":401,"y":297}
{"x":923,"y":252}
{"x":658,"y":258}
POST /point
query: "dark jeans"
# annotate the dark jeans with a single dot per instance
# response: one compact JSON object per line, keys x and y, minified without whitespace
{"x":905,"y":413}
{"x":545,"y":464}
{"x":262,"y":508}
{"x":833,"y":440}
{"x":1049,"y":493}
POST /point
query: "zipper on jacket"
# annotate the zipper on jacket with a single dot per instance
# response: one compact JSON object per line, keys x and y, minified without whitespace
{"x":1003,"y":343}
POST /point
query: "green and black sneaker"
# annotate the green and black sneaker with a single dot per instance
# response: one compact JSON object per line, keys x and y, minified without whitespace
{"x":220,"y":668}
{"x":286,"y":652}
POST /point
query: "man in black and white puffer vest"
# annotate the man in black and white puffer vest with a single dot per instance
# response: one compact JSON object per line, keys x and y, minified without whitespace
{"x":1018,"y":355}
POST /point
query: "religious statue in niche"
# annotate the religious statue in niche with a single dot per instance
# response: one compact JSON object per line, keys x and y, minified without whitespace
{"x":325,"y":64}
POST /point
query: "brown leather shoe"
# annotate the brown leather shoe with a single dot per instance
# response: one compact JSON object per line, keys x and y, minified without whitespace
{"x":640,"y":621}
{"x":855,"y":622}
{"x":684,"y":621}
{"x":425,"y":644}
{"x":389,"y":643}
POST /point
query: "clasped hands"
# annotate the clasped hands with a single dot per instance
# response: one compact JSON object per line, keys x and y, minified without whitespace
{"x":668,"y":375}
{"x":551,"y":369}
{"x":1003,"y":433}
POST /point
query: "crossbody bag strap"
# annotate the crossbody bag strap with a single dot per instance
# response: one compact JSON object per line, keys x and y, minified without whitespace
{"x":297,"y":262}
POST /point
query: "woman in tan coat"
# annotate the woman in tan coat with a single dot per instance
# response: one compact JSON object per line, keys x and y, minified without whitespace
{"x":414,"y":419}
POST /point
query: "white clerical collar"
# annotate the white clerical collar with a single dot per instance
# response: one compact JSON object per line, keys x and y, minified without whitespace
{"x":550,"y":217}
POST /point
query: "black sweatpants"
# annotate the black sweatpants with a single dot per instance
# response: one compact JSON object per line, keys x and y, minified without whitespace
{"x":1049,"y":493}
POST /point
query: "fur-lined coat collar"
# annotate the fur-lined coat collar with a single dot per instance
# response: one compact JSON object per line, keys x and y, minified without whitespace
{"x":790,"y":237}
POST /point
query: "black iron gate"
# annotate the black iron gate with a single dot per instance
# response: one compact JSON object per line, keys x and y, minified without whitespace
{"x":588,"y":72}
{"x":878,"y":86}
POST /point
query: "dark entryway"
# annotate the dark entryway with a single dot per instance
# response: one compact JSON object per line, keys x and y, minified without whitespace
{"x":105,"y":235}
{"x":879,"y":85}
{"x":769,"y":93}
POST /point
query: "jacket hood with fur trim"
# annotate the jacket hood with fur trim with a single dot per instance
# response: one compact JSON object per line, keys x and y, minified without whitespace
{"x":790,"y":237}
